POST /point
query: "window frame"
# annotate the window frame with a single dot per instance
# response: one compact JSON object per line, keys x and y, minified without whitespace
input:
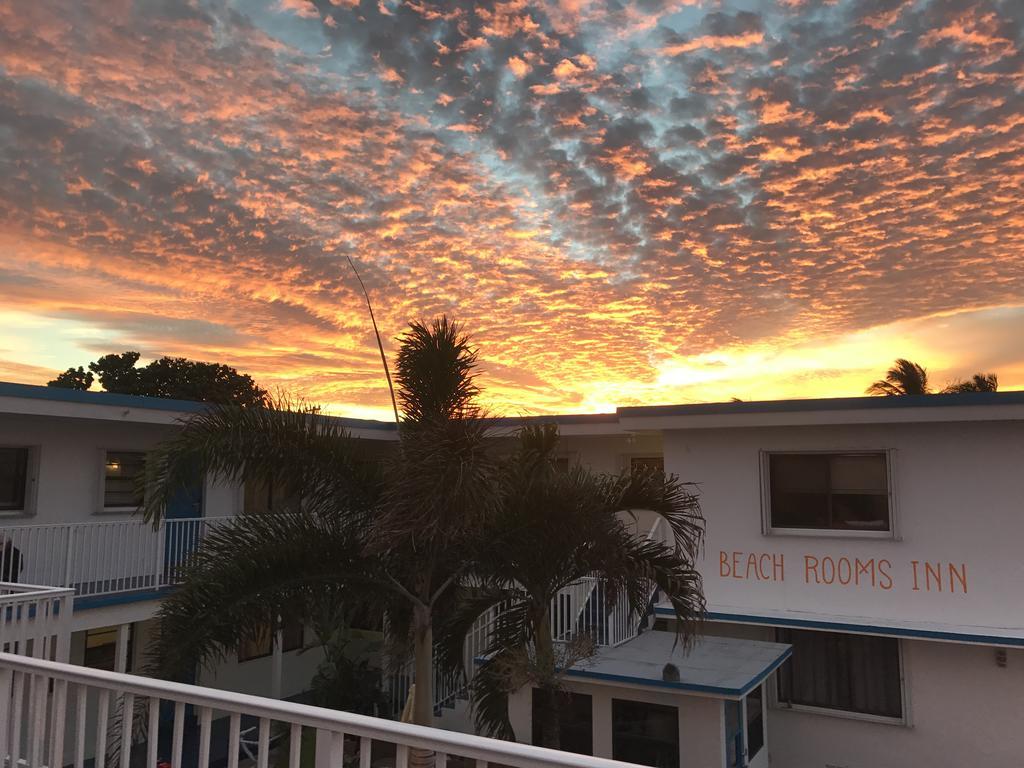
{"x":301,"y":626}
{"x":101,"y":495}
{"x":772,"y":693}
{"x":28,"y":507}
{"x":629,"y":458}
{"x":645,"y":703}
{"x":764,"y":466}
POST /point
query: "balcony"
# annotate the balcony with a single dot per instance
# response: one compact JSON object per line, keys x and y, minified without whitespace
{"x":103,"y":558}
{"x":35,"y":621}
{"x":54,"y":714}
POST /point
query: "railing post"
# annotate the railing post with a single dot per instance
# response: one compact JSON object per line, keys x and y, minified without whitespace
{"x":158,"y":555}
{"x":69,"y":556}
{"x":6,"y":681}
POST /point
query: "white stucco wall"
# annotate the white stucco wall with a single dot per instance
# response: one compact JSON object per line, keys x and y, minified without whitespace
{"x":963,"y":710}
{"x":68,"y":466}
{"x":958,"y":503}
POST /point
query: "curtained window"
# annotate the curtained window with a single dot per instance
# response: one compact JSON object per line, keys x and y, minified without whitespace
{"x":13,"y":478}
{"x":851,"y":673}
{"x":830,"y":491}
{"x":122,"y":471}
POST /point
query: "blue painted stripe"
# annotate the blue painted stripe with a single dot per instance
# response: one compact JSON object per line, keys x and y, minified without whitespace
{"x":120,"y":598}
{"x":862,"y":629}
{"x":718,"y":690}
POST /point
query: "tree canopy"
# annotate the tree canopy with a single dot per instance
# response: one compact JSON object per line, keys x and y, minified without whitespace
{"x":909,"y":378}
{"x":171,"y":377}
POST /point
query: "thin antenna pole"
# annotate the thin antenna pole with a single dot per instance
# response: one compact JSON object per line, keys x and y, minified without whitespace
{"x":380,"y":344}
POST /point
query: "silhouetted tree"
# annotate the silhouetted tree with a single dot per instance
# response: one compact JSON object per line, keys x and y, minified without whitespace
{"x":171,"y":377}
{"x":904,"y":378}
{"x":979,"y":382}
{"x":117,"y":373}
{"x":73,"y":378}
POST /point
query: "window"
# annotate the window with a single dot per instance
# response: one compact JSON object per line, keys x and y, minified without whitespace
{"x":829,"y":491}
{"x":755,"y":722}
{"x":643,"y":733}
{"x":263,"y":645}
{"x":270,"y":495}
{"x":101,"y":648}
{"x":647,"y":462}
{"x":836,"y":671}
{"x":575,"y":720}
{"x":13,"y":479}
{"x":122,"y":471}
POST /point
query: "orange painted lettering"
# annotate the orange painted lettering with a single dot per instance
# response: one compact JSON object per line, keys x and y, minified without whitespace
{"x":885,"y":578}
{"x":960,"y":575}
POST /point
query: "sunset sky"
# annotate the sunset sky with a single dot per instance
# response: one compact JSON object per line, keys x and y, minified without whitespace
{"x":649,"y":202}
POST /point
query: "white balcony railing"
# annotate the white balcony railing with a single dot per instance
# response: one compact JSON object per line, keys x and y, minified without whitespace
{"x":102,"y":558}
{"x":45,"y":707}
{"x":35,"y":621}
{"x":584,"y":607}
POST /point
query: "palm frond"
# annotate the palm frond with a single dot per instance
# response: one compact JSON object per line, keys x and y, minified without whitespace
{"x":250,"y":570}
{"x":903,"y":378}
{"x":303,"y":448}
{"x":979,"y":382}
{"x":435,"y":373}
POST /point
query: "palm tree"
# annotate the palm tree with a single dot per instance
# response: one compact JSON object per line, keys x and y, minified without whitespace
{"x":391,"y":531}
{"x":979,"y":382}
{"x":554,"y":529}
{"x":904,"y":378}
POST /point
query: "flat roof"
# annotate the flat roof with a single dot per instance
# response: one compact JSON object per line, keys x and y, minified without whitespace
{"x":966,"y":406}
{"x":1011,"y":636}
{"x":723,"y":667}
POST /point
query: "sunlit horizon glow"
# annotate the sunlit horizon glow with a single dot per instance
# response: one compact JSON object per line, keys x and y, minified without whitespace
{"x":677,"y":202}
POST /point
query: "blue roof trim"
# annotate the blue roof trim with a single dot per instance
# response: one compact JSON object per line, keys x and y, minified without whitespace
{"x":863,"y":629}
{"x":59,"y":394}
{"x":827,"y":404}
{"x":691,"y":687}
{"x":120,"y":598}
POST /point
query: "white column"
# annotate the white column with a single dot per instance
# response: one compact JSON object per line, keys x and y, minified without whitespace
{"x":277,"y":662}
{"x":121,"y":648}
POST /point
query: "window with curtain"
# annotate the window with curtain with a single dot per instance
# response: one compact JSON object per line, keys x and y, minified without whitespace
{"x":269,"y":495}
{"x":121,"y":473}
{"x":851,"y":673}
{"x":13,"y":478}
{"x":831,"y":491}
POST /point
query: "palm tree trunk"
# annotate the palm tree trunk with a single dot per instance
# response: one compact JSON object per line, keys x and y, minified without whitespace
{"x":550,"y":716}
{"x":423,"y":645}
{"x":423,"y":696}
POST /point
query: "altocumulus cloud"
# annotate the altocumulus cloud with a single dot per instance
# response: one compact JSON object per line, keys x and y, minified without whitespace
{"x":596,"y":188}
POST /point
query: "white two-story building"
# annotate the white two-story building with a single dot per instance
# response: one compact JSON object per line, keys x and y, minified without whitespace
{"x":862,"y":571}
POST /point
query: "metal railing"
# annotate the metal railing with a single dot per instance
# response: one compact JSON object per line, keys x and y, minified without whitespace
{"x":54,"y":714}
{"x":101,"y":558}
{"x":35,"y":621}
{"x":585,"y":607}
